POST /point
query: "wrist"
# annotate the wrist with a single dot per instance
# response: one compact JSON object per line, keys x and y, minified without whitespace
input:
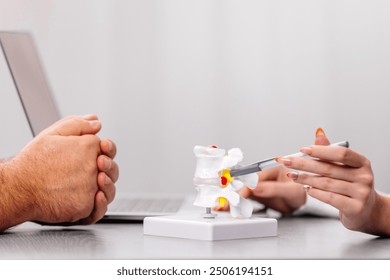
{"x":381,"y":215}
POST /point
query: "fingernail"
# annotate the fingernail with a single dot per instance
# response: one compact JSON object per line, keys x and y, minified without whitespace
{"x":109,"y":145}
{"x":320,"y":132}
{"x":89,"y":116}
{"x":306,"y":150}
{"x":95,"y":124}
{"x":292,"y":175}
{"x":282,"y":160}
{"x":107,"y":180}
{"x":107,"y":164}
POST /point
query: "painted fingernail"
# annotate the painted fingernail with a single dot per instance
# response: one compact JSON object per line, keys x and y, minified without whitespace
{"x":320,"y":132}
{"x":292,"y":175}
{"x":282,"y":160}
{"x":306,"y":150}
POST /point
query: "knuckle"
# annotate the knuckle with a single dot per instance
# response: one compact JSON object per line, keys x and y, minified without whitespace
{"x":327,"y":182}
{"x":70,"y":117}
{"x":367,"y":164}
{"x":367,"y":178}
{"x":363,"y":193}
{"x":328,"y":170}
{"x":302,"y":177}
{"x":76,"y":121}
{"x":331,"y":198}
{"x":101,"y":179}
{"x":101,"y":160}
{"x":95,"y":139}
{"x":344,"y":154}
{"x":298,"y":163}
{"x":91,"y":140}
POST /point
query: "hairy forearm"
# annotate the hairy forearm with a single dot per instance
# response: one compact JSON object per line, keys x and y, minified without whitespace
{"x":5,"y":199}
{"x":15,"y":206}
{"x":2,"y":181}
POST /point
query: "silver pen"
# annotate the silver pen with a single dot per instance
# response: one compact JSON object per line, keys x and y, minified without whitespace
{"x":269,"y":163}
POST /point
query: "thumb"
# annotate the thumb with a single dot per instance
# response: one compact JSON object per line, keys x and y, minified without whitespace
{"x":321,"y":138}
{"x":75,"y":126}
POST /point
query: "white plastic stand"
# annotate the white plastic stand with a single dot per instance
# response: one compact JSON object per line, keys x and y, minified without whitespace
{"x":218,"y":228}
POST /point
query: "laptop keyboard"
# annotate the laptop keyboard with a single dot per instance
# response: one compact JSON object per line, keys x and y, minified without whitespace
{"x":147,"y":205}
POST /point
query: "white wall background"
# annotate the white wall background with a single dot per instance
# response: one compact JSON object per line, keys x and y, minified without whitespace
{"x":166,"y":75}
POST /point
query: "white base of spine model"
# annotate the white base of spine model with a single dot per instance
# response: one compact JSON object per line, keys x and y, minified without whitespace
{"x":215,"y":188}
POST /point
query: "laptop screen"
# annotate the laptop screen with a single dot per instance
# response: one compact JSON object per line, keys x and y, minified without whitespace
{"x":30,"y":82}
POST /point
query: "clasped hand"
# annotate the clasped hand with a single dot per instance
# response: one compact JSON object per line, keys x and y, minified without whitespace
{"x":66,"y":174}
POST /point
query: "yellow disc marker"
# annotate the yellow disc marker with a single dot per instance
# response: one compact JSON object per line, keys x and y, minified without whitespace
{"x":225,"y":179}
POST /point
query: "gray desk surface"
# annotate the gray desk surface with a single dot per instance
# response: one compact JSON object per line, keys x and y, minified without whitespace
{"x":299,"y":238}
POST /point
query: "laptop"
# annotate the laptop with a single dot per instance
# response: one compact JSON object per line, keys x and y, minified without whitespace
{"x":40,"y":109}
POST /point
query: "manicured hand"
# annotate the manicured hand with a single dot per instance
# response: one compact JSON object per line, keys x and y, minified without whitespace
{"x":344,"y":179}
